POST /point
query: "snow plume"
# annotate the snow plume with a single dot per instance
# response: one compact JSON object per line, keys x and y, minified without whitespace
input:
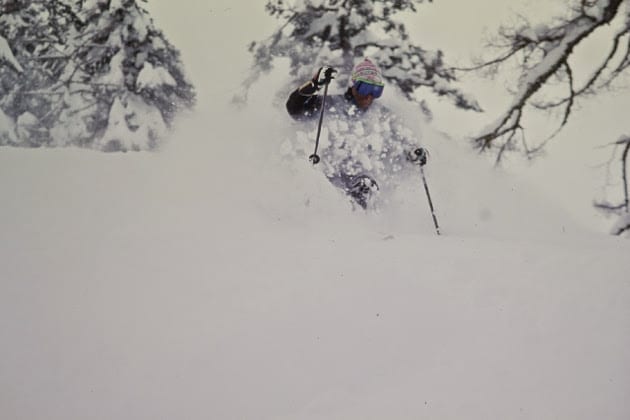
{"x":469,"y":196}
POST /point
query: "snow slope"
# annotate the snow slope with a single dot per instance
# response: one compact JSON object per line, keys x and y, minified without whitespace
{"x":211,"y":280}
{"x":136,"y":286}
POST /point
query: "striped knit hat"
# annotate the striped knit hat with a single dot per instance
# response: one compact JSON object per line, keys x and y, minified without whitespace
{"x":367,"y":72}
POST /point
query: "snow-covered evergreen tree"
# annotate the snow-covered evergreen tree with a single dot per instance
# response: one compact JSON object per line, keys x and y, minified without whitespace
{"x":336,"y":33}
{"x":86,"y":64}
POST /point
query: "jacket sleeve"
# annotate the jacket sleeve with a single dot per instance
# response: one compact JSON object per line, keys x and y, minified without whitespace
{"x":304,"y":101}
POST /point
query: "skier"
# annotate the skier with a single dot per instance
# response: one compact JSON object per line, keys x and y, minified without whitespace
{"x":365,"y":141}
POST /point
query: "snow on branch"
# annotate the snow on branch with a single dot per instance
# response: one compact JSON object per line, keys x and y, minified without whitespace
{"x":409,"y":67}
{"x":335,"y":33}
{"x":545,"y":53}
{"x":78,"y":58}
{"x":7,"y":55}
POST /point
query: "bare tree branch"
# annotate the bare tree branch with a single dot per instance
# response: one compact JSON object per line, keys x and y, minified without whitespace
{"x":624,"y":170}
{"x":504,"y":57}
{"x":621,"y":228}
{"x":548,"y":50}
{"x":597,"y":74}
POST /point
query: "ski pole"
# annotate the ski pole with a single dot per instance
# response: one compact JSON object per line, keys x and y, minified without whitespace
{"x":426,"y":188}
{"x":314,"y":157}
{"x":421,"y":159}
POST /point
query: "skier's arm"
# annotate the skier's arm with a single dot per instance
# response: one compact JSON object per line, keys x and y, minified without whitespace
{"x":303,"y":101}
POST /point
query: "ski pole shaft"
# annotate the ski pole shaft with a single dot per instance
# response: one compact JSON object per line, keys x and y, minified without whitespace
{"x":419,"y":156}
{"x":314,"y":157}
{"x":426,"y":189}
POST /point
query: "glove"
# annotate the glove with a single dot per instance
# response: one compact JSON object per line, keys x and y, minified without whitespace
{"x":422,"y":155}
{"x":323,"y":76}
{"x":418,"y":156}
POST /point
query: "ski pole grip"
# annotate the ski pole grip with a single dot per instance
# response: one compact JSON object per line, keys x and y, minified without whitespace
{"x":421,"y":156}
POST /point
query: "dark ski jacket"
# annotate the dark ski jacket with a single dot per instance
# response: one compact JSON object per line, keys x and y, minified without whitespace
{"x":304,"y":103}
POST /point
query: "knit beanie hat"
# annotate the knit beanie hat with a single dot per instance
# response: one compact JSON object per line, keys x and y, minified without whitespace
{"x":367,"y":72}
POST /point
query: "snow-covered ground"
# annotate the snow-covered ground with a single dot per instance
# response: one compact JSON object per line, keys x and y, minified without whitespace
{"x":212,"y":280}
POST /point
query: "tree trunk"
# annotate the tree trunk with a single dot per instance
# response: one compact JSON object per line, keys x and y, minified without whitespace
{"x":624,"y":174}
{"x":344,"y":40}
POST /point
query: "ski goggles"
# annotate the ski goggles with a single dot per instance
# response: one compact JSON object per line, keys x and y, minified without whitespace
{"x":365,"y":89}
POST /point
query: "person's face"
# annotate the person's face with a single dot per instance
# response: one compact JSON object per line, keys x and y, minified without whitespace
{"x":362,"y":101}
